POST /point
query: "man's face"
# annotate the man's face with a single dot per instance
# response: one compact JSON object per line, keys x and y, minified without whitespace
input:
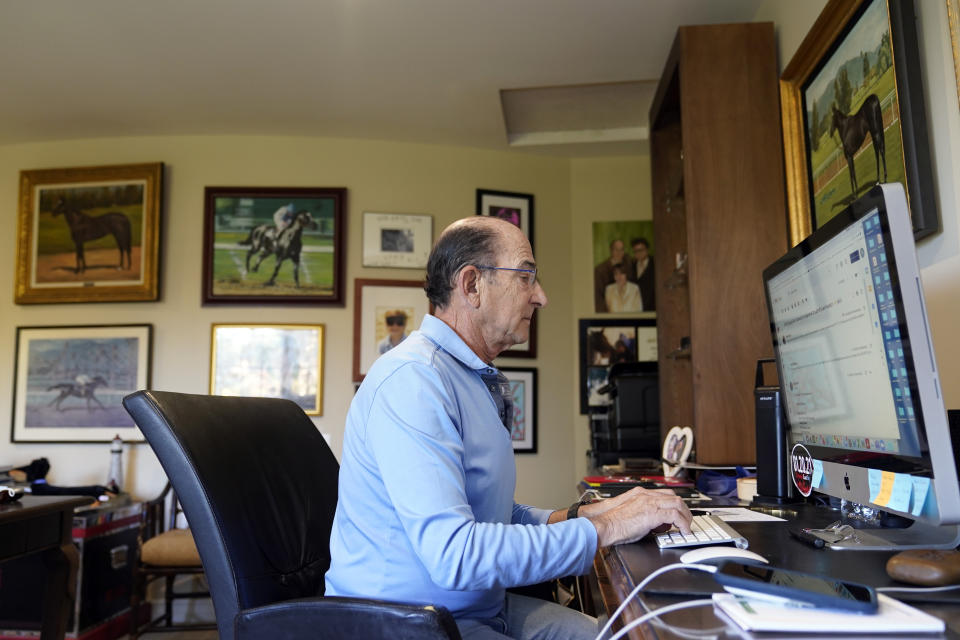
{"x":509,"y":299}
{"x":396,"y":325}
{"x":640,"y":252}
{"x":616,"y":251}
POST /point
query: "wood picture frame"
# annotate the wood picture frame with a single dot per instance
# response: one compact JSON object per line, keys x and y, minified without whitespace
{"x":865,"y":53}
{"x":274,"y":245}
{"x":523,"y":387}
{"x":89,"y":234}
{"x":384,"y":314}
{"x":605,"y":342}
{"x":70,"y":381}
{"x":516,"y":208}
{"x":269,"y":360}
{"x":397,"y":240}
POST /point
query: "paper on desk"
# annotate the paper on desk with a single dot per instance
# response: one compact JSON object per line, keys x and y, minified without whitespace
{"x":738,"y":514}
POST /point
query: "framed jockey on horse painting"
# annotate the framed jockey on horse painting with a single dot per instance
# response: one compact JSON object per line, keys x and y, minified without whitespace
{"x":89,"y":234}
{"x":273,"y":245}
{"x":69,"y":382}
{"x":853,"y":114}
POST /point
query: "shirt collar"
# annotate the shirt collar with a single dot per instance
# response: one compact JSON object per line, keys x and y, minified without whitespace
{"x":443,"y":335}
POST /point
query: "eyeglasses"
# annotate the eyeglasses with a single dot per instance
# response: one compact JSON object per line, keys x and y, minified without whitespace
{"x":529,"y":277}
{"x":396,"y":320}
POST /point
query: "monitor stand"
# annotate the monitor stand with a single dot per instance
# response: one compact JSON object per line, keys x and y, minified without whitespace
{"x":918,"y":535}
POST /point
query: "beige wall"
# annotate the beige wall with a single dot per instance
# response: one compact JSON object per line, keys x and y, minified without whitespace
{"x":379,"y":176}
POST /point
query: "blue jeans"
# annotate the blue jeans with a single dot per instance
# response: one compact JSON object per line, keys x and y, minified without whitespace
{"x":524,"y":618}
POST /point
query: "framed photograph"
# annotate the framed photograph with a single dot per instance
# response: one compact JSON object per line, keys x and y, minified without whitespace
{"x":270,"y":361}
{"x":606,"y":342}
{"x":623,"y":277}
{"x":523,"y":388}
{"x":384,"y":314}
{"x":69,"y":382}
{"x":513,"y":207}
{"x":853,"y":114}
{"x":273,"y":245}
{"x":89,"y":234}
{"x":397,"y":240}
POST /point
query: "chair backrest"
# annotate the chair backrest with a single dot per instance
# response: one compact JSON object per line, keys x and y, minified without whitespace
{"x":258,"y":484}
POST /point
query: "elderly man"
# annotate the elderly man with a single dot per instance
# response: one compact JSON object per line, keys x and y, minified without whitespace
{"x":426,"y":511}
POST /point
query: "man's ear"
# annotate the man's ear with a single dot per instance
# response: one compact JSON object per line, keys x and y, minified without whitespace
{"x":468,"y":285}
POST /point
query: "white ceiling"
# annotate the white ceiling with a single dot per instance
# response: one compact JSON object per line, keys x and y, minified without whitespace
{"x":427,"y":71}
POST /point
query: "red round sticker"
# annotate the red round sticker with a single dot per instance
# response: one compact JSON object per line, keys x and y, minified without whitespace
{"x":801,"y":462}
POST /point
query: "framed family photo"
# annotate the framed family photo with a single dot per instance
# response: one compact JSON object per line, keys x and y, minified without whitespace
{"x":384,"y":314}
{"x":70,"y":381}
{"x":89,"y":234}
{"x":269,"y":360}
{"x":853,"y":114}
{"x":273,"y":245}
{"x":523,"y":389}
{"x":516,"y":208}
{"x":606,"y":342}
{"x":396,"y":240}
{"x":623,"y":272}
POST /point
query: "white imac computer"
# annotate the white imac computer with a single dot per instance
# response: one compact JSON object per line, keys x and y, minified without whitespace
{"x":858,"y":374}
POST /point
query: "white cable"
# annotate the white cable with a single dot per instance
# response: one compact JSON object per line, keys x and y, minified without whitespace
{"x":949,"y":587}
{"x":708,"y":568}
{"x":659,"y":612}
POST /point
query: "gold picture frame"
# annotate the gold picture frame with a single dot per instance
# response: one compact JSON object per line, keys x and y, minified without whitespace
{"x":89,"y":234}
{"x":269,"y":361}
{"x":953,"y":17}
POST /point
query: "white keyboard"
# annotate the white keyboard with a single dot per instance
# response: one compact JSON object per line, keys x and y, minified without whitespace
{"x":704,"y":530}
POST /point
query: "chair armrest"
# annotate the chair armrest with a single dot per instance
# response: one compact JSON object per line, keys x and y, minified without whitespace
{"x":335,"y":617}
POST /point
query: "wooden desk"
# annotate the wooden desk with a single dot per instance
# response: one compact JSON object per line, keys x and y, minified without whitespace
{"x":619,"y":569}
{"x":42,"y":524}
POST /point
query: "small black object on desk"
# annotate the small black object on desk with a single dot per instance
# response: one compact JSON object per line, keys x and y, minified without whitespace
{"x":806,"y":537}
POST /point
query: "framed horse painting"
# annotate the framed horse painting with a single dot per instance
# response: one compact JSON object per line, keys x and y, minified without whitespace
{"x":273,"y":245}
{"x":853,"y":114}
{"x":69,"y":382}
{"x":90,"y":234}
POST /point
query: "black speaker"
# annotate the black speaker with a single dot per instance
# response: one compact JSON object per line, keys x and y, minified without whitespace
{"x":773,"y":458}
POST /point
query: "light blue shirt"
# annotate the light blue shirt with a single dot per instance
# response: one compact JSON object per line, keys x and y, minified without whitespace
{"x":426,"y":512}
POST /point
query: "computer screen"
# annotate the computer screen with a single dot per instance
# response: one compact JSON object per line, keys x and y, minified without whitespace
{"x":856,"y":363}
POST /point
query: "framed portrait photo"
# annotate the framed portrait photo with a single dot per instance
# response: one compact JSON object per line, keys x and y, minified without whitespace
{"x":273,"y":245}
{"x":623,"y":270}
{"x":69,"y":382}
{"x":89,"y":234}
{"x":523,"y":389}
{"x":606,"y":342}
{"x":396,"y":240}
{"x":516,"y":208}
{"x":269,"y":361}
{"x":853,"y":114}
{"x":384,"y":314}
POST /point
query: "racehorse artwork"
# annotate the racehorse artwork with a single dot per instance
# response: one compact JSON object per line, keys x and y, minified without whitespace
{"x":84,"y":228}
{"x":853,"y":129}
{"x":265,"y":240}
{"x":82,"y":387}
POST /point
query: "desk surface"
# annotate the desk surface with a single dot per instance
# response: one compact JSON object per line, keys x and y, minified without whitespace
{"x":620,"y":569}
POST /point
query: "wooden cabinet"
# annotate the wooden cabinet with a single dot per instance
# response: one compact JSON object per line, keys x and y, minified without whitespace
{"x":719,"y":220}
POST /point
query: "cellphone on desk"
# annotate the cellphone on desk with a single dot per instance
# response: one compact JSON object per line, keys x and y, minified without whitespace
{"x":812,"y":590}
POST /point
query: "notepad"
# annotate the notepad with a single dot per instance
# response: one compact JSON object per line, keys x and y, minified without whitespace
{"x":892,"y":616}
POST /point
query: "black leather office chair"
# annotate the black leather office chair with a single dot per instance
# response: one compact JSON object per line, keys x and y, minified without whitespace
{"x":258,"y":485}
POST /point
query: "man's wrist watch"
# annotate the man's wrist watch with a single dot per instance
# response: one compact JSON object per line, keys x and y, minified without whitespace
{"x":574,"y":510}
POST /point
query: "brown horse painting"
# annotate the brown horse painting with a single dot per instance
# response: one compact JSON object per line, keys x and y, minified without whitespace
{"x":84,"y":228}
{"x":853,"y":129}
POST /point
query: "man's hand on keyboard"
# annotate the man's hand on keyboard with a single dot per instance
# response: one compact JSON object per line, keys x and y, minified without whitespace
{"x":632,"y":515}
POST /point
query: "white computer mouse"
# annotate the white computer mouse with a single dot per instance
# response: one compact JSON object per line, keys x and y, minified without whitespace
{"x":718,"y":554}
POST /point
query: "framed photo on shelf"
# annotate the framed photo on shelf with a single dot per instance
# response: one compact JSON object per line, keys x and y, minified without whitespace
{"x":512,"y":207}
{"x":384,"y":314}
{"x":269,"y":360}
{"x":853,"y":114}
{"x":623,"y":275}
{"x":606,"y":342}
{"x":273,"y":245}
{"x":523,"y":388}
{"x":396,"y":240}
{"x":89,"y":234}
{"x":70,"y":381}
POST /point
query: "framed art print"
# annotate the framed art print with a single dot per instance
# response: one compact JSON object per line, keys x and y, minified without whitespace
{"x":269,"y":360}
{"x":89,"y":234}
{"x":606,"y":342}
{"x":69,"y":382}
{"x":273,"y":245}
{"x":523,"y":389}
{"x":396,"y":240}
{"x":516,"y":208}
{"x":384,"y":314}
